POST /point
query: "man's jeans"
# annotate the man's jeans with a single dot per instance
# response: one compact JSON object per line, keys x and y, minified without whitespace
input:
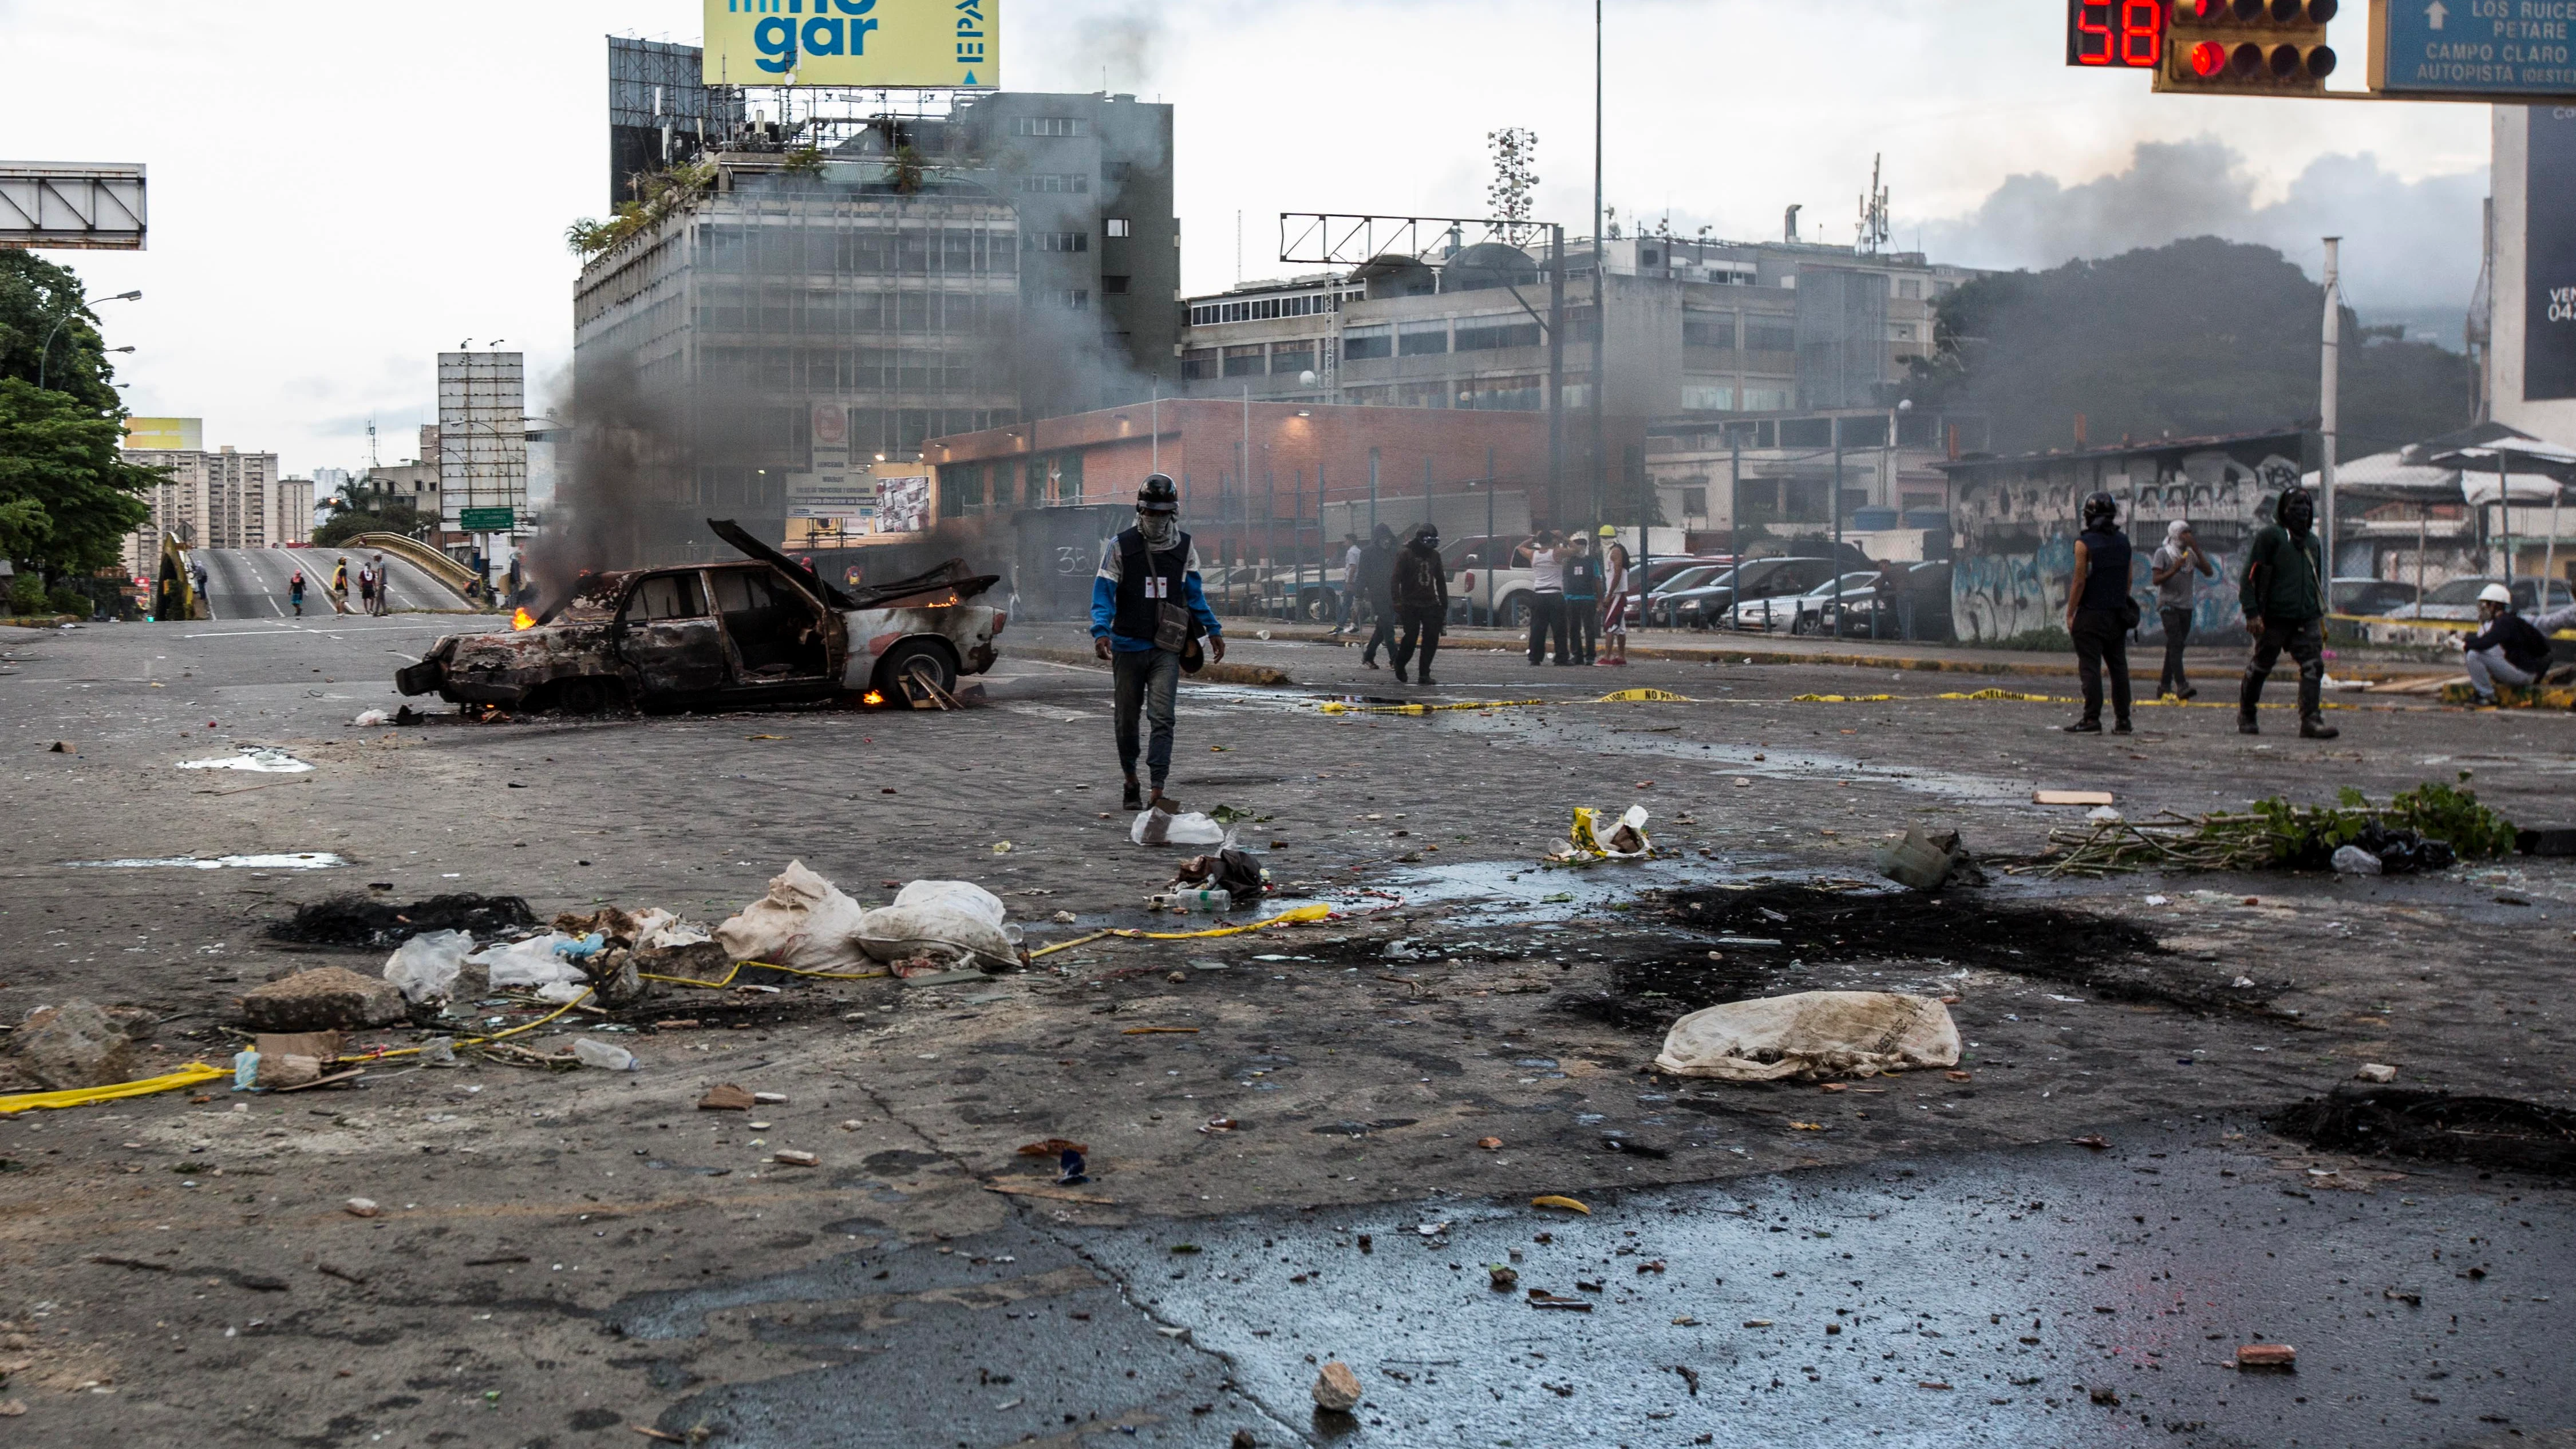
{"x":2488,"y":668}
{"x":2177,"y":635}
{"x":1146,"y":679}
{"x":1546,"y":624}
{"x":1582,"y":627}
{"x":1350,"y":603}
{"x":2305,"y":639}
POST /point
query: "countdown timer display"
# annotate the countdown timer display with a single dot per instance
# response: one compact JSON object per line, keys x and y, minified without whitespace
{"x":2119,"y":34}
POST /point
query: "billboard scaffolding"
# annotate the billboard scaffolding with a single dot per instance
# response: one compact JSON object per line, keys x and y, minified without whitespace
{"x":482,"y":439}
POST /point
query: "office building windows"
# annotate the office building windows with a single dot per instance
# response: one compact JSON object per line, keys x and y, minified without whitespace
{"x":1375,"y":339}
{"x":1117,"y":226}
{"x":1769,"y":336}
{"x":1246,"y":361}
{"x":1073,"y":182}
{"x":1055,"y":241}
{"x":1426,"y":338}
{"x":1709,"y":329}
{"x":1048,"y":126}
{"x":1707,"y":398}
{"x":1287,"y":359}
{"x":1483,"y":334}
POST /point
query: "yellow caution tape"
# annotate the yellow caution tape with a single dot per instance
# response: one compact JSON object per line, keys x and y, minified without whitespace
{"x":2002,"y":694}
{"x":188,"y":1076}
{"x":1644,"y":696}
{"x":1335,"y":706}
{"x":1840,"y":698}
{"x":1552,"y":1200}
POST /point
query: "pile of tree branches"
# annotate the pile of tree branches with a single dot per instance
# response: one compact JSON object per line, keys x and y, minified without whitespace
{"x":2276,"y":834}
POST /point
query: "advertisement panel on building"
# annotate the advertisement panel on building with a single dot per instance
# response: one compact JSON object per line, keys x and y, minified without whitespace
{"x":853,"y":43}
{"x":188,"y":434}
{"x":2549,"y":257}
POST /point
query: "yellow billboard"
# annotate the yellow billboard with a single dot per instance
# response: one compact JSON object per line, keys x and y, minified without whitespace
{"x":183,"y":433}
{"x":853,"y":43}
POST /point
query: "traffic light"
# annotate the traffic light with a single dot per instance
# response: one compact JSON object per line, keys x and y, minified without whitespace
{"x":2248,"y":48}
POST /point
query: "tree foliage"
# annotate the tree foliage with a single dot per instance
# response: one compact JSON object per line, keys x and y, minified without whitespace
{"x":67,"y":499}
{"x":2196,"y":337}
{"x":36,"y":294}
{"x":659,"y":193}
{"x":378,"y":516}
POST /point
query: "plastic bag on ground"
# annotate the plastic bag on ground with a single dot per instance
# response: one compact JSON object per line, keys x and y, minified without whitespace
{"x":950,"y":919}
{"x":532,"y":962}
{"x":427,"y":965}
{"x":368,"y":719}
{"x":2353,"y":860}
{"x":1587,"y":840}
{"x":603,"y":1055}
{"x":1154,"y":827}
{"x":804,"y":922}
{"x":1811,"y":1034}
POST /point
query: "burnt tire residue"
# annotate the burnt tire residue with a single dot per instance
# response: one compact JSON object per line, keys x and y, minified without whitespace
{"x":2489,"y":1132}
{"x":2109,"y":958}
{"x":359,"y":921}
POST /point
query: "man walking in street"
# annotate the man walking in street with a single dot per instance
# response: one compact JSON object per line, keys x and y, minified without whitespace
{"x":1146,"y":604}
{"x":2171,"y":571}
{"x":2509,"y":650}
{"x":295,"y":592}
{"x":384,"y":597}
{"x":2100,"y":613}
{"x":2284,"y":598}
{"x":1582,"y":603}
{"x":1350,"y":582}
{"x":1420,"y":588}
{"x":1376,"y":565}
{"x":1547,"y":596}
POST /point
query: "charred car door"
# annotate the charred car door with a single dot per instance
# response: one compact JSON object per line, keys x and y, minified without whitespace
{"x":778,"y":635}
{"x":669,"y":639}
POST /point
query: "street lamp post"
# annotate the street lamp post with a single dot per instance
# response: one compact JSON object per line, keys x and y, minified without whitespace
{"x":42,"y":352}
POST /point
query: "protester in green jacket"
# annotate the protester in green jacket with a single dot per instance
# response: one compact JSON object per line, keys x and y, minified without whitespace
{"x":2284,"y":599}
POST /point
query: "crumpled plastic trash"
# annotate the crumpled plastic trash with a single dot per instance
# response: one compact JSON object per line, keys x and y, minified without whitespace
{"x":1811,"y":1033}
{"x":258,"y":759}
{"x":1155,"y":827}
{"x":439,"y":1051}
{"x":804,"y":921}
{"x":2353,"y":860}
{"x":1585,"y":841}
{"x":945,"y":919}
{"x":370,"y":718}
{"x":427,"y":965}
{"x":532,"y":962}
{"x":563,"y":993}
{"x":603,"y":1055}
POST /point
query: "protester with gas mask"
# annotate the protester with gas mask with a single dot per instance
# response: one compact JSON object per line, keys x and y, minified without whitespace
{"x":2283,"y":596}
{"x":1420,"y":588}
{"x":2100,"y":612}
{"x":1148,"y":608}
{"x":2509,"y":650}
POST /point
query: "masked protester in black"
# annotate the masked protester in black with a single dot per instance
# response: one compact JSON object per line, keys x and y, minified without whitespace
{"x":1420,"y":588}
{"x":2284,"y":600}
{"x":1377,"y":564}
{"x":2100,"y":613}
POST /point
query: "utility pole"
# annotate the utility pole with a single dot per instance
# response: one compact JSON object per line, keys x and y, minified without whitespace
{"x":2326,"y":389}
{"x":1555,"y":367}
{"x":1600,"y":285}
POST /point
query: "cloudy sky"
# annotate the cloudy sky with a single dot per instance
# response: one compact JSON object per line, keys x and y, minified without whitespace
{"x":340,"y":191}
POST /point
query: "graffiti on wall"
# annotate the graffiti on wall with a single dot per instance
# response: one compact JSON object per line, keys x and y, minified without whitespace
{"x":1997,"y":597}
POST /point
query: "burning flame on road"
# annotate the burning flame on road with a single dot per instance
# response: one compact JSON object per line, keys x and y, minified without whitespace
{"x":872,"y":699}
{"x":522,"y":619}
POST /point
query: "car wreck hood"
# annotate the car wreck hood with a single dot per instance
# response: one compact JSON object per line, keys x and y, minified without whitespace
{"x":951,"y":576}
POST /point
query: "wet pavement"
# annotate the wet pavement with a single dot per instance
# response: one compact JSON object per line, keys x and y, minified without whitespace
{"x":2051,"y":1294}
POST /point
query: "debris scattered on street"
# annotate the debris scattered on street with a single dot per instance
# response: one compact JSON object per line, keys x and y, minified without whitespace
{"x":357,"y":920}
{"x":362,"y":1207}
{"x":1811,"y":1034}
{"x":725,"y":1098}
{"x":1586,"y":844}
{"x":1927,"y":862}
{"x":2496,"y":1133}
{"x":2426,"y":828}
{"x":258,"y":759}
{"x":1156,"y":826}
{"x":2375,"y":1072}
{"x":2279,"y":1357}
{"x":370,"y":718}
{"x":804,"y":921}
{"x":604,"y":1055}
{"x":2071,"y":797}
{"x":77,"y":1044}
{"x":425,"y":967}
{"x":790,"y":1157}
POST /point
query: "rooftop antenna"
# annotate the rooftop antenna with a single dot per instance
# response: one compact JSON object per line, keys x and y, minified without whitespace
{"x":1873,"y":232}
{"x":1789,"y":222}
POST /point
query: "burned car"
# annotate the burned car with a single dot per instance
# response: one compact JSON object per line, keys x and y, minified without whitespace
{"x":760,"y":631}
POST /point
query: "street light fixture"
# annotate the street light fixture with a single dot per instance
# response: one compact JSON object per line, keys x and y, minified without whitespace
{"x":44,"y":351}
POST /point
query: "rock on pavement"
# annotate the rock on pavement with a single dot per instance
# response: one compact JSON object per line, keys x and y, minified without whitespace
{"x":331,"y":999}
{"x":75,"y":1044}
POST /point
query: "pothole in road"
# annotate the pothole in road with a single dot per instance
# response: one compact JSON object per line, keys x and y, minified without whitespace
{"x":2495,"y":1133}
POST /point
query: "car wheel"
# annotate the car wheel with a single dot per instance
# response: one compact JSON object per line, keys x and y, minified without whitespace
{"x":588,"y":694}
{"x":1516,"y":611}
{"x":1322,"y":606}
{"x":916,"y":657}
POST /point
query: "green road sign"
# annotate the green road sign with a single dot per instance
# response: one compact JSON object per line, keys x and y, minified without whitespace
{"x":487,"y":520}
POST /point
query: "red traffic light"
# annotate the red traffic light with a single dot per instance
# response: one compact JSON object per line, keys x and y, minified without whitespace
{"x":2208,"y":58}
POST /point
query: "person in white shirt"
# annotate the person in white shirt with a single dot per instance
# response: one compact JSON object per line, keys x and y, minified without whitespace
{"x":1350,"y":582}
{"x":1546,"y":555}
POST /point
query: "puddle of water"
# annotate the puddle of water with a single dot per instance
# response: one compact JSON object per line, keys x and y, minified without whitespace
{"x":258,"y":759}
{"x":300,"y":860}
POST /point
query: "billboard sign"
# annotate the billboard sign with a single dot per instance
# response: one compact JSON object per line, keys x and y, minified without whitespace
{"x":903,"y":504}
{"x":183,"y":434}
{"x":2549,"y":256}
{"x":937,"y":43}
{"x":2472,"y":49}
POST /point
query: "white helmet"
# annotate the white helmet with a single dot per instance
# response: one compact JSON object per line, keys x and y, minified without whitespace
{"x":2496,"y":594}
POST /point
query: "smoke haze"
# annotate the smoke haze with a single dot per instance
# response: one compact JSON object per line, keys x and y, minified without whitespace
{"x":2410,"y":250}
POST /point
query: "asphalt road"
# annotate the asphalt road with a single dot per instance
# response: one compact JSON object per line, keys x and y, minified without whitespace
{"x":245,"y":584}
{"x":563,"y":1255}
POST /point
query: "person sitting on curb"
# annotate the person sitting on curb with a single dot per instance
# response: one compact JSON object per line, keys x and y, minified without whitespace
{"x":2284,"y":600}
{"x":2509,"y":650}
{"x":1143,"y":602}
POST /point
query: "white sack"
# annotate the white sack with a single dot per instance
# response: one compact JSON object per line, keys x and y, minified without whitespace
{"x":657,"y":929}
{"x":1810,"y":1034}
{"x":949,"y":918}
{"x":427,"y":965}
{"x":1153,"y":827}
{"x":804,"y":922}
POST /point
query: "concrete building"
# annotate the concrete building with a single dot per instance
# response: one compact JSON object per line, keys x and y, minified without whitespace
{"x":2522,"y":324}
{"x":1697,"y":330}
{"x":1757,"y":474}
{"x":222,"y":498}
{"x":918,"y":274}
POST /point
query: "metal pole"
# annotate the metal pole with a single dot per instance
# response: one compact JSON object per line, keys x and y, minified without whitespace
{"x":2327,"y":401}
{"x":1600,"y":282}
{"x":2504,"y":506}
{"x":1488,"y":549}
{"x":1372,"y":494}
{"x":1154,"y":423}
{"x":1555,"y":373}
{"x":1734,"y":505}
{"x":1837,"y":488}
{"x":2549,"y":555}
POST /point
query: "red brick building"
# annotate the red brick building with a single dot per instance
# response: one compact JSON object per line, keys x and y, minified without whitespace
{"x":1266,"y":469}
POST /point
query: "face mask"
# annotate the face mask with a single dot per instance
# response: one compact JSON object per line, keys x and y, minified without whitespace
{"x":2299,"y":516}
{"x":1159,"y":529}
{"x":1431,"y":541}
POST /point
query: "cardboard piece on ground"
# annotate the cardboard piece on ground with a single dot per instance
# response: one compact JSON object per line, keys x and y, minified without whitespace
{"x":2070,"y":797}
{"x":725,"y":1097}
{"x":322,"y":1046}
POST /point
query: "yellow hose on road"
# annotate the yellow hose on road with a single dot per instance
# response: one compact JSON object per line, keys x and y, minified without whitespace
{"x":1299,"y":916}
{"x":187,"y":1076}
